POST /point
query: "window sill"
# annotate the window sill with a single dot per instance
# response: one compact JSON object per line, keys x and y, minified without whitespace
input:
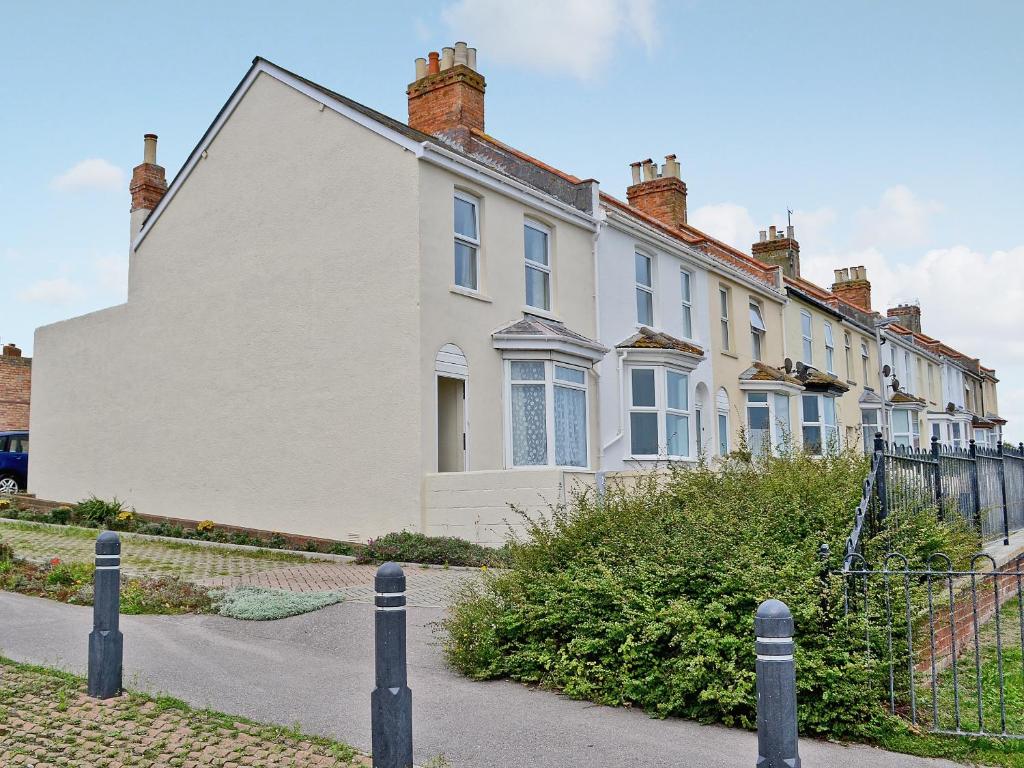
{"x":527,"y":309}
{"x":667,"y":459}
{"x":469,"y":293}
{"x":727,"y":353}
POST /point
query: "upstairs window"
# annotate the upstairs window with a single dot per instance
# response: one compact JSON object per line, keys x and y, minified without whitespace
{"x":848,"y":349}
{"x":908,"y":371}
{"x":644,"y":289}
{"x":723,"y":308}
{"x":467,"y":241}
{"x":686,"y":288}
{"x":864,"y":361}
{"x":538,"y":266}
{"x":830,"y":350}
{"x":757,"y":331}
{"x":808,"y":338}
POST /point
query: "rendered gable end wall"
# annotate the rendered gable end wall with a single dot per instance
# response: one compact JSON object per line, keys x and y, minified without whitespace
{"x":267,"y":358}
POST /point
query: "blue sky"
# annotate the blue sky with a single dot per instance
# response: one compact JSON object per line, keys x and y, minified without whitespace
{"x":892,"y":129}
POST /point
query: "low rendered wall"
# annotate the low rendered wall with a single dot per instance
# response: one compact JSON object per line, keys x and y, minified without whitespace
{"x":478,"y":506}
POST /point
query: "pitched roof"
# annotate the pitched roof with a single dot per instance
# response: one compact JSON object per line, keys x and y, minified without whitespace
{"x":763,"y":372}
{"x":903,"y":397}
{"x":820,"y":381}
{"x":534,"y":326}
{"x":646,"y":338}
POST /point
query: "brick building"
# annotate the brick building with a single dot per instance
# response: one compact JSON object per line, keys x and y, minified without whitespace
{"x":15,"y":386}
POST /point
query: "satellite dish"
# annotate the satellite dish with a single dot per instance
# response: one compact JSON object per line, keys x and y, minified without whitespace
{"x":788,"y":365}
{"x":895,"y":384}
{"x":950,"y":407}
{"x":800,"y":368}
{"x":886,"y":370}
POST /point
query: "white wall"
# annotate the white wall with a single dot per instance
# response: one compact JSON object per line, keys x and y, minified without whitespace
{"x":265,"y":368}
{"x":617,"y":310}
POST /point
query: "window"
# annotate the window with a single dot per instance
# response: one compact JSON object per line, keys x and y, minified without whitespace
{"x":644,"y":289}
{"x":906,"y":428}
{"x":659,"y":414}
{"x":686,"y":288}
{"x":538,"y":266}
{"x":864,"y":360}
{"x":830,"y":350}
{"x":723,"y":307}
{"x":957,"y":439}
{"x":548,"y":406}
{"x":869,"y":426}
{"x":936,"y":430}
{"x":757,"y":331}
{"x":820,"y":430}
{"x":759,"y":423}
{"x":782,"y":422}
{"x":908,"y":371}
{"x":467,"y":241}
{"x":931,"y":382}
{"x":722,"y":401}
{"x":848,"y":349}
{"x":805,"y":331}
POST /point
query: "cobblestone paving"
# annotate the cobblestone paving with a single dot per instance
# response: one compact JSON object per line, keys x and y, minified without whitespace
{"x":225,"y":567}
{"x":46,"y":720}
{"x":425,"y":587}
{"x":142,"y":557}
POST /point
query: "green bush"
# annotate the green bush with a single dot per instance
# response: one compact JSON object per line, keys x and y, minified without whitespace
{"x":648,"y":597}
{"x":69,"y":574}
{"x":408,"y":547}
{"x":6,"y":552}
{"x":258,"y":604}
{"x":95,"y":512}
{"x":163,"y":595}
{"x":61,"y":515}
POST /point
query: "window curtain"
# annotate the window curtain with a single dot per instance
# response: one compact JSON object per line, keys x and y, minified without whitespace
{"x":529,"y":428}
{"x":570,"y":427}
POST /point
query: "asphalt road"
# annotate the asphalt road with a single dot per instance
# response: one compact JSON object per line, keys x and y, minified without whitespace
{"x":316,"y":671}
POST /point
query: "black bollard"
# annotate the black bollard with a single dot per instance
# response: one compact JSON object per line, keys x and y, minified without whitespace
{"x":391,"y":700}
{"x":777,"y":743}
{"x":106,"y":645}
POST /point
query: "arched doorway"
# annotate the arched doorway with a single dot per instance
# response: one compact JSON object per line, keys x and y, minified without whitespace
{"x":452,"y":372}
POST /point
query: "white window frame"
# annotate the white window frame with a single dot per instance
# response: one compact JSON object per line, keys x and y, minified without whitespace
{"x":910,"y":438}
{"x":865,"y":359}
{"x":908,"y":384}
{"x":662,"y":410}
{"x":829,"y":433}
{"x":642,"y":288}
{"x":466,"y":240}
{"x":550,"y":383}
{"x":830,"y":349}
{"x":807,"y":335}
{"x":757,"y":335}
{"x":724,"y":303}
{"x":545,"y":269}
{"x":686,"y":301}
{"x":848,"y":351}
{"x":875,"y":426}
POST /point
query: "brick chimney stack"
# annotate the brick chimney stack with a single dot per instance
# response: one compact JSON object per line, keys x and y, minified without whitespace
{"x":661,"y":195}
{"x":908,"y":315}
{"x":11,"y":350}
{"x":149,"y":182}
{"x":447,"y":97}
{"x":852,"y":286}
{"x":778,"y":250}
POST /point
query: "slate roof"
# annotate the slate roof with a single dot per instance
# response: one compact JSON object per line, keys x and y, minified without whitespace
{"x":534,"y":326}
{"x":903,"y":397}
{"x":646,"y":338}
{"x":762,"y":372}
{"x":819,"y":381}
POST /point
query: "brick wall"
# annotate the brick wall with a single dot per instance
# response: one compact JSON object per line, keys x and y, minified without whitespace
{"x":15,"y":388}
{"x":447,"y":100}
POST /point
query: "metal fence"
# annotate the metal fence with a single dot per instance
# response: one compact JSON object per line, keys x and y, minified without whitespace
{"x":984,"y":486}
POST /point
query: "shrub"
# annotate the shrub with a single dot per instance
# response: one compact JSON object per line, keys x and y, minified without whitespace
{"x":98,"y":513}
{"x":68,"y":574}
{"x":258,"y":604}
{"x":6,"y":552}
{"x":61,"y":515}
{"x":205,"y":526}
{"x":163,"y":595}
{"x":409,"y":547}
{"x":5,"y":506}
{"x":341,"y":548}
{"x":648,"y":597}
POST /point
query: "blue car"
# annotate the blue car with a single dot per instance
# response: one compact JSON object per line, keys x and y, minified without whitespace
{"x":13,"y":462}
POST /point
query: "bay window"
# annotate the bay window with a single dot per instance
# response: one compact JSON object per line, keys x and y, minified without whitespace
{"x":906,"y":428}
{"x":819,"y":425}
{"x":768,"y":421}
{"x":644,"y":289}
{"x":548,"y":407}
{"x":538,"y":266}
{"x":686,"y":288}
{"x":869,"y":421}
{"x":808,"y":338}
{"x":757,"y":331}
{"x":659,"y":412}
{"x":467,"y":241}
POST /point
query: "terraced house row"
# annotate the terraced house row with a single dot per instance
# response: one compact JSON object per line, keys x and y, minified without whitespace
{"x":340,"y":324}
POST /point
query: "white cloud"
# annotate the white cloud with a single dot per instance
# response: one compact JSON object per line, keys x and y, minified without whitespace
{"x":900,"y":219}
{"x":578,"y":37}
{"x":94,"y":173}
{"x":728,"y":222}
{"x":59,"y":290}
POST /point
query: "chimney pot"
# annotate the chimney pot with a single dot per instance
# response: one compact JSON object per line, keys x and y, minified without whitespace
{"x":149,"y":148}
{"x":461,"y":54}
{"x":838,"y":275}
{"x":471,"y":58}
{"x":771,"y":232}
{"x":763,"y":236}
{"x":789,"y":231}
{"x":649,"y":171}
{"x":447,"y":58}
{"x":671,"y":168}
{"x":433,"y":67}
{"x":11,"y":350}
{"x":635,"y":170}
{"x":421,"y":68}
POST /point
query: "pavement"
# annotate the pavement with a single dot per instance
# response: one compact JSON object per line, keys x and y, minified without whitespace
{"x":316,"y":671}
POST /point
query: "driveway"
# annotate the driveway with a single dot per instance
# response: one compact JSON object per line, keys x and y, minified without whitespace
{"x":316,"y":670}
